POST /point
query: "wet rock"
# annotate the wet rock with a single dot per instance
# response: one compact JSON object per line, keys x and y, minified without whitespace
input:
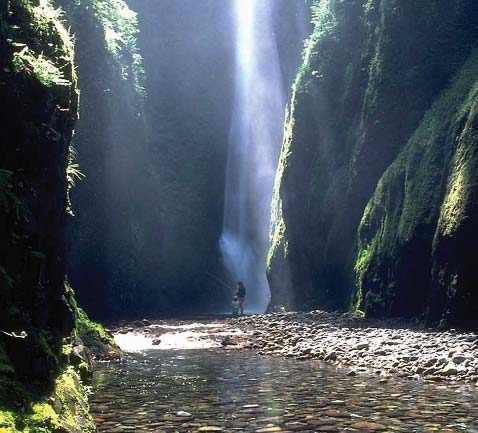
{"x":269,"y":430}
{"x":430,"y":362}
{"x":332,"y":356}
{"x":368,"y":426}
{"x":227,"y":341}
{"x":449,"y":370}
{"x":130,"y":421}
{"x":362,"y":346}
{"x":459,"y":359}
{"x":209,"y":428}
{"x":336,"y":414}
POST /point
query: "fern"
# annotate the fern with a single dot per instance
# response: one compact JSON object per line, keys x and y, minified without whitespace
{"x":73,"y":174}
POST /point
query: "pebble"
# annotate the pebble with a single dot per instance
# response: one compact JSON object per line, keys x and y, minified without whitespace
{"x":364,"y":345}
{"x":218,"y":390}
{"x":368,"y":426}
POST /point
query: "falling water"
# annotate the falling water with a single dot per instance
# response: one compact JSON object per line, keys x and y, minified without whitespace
{"x":254,"y":146}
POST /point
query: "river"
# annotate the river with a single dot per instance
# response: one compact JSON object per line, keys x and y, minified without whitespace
{"x":190,"y":383}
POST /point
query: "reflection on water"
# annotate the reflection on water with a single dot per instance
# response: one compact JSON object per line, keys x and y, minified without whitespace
{"x":187,"y":336}
{"x":217,"y":390}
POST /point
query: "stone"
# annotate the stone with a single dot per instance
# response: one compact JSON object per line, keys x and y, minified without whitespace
{"x":449,"y":370}
{"x":459,"y":359}
{"x":130,"y":421}
{"x":362,"y":346}
{"x":332,"y":356}
{"x":368,"y":426}
{"x":269,"y":430}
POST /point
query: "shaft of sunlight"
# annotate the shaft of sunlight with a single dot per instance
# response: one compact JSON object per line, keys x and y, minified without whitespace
{"x":254,"y":146}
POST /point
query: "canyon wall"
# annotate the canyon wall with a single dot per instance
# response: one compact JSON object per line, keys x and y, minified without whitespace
{"x":373,"y":208}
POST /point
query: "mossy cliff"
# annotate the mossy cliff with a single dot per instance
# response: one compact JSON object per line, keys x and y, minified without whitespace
{"x":115,"y":230}
{"x":43,"y":363}
{"x":39,"y":107}
{"x":373,"y":206}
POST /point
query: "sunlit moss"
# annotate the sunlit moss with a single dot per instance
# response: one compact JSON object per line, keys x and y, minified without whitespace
{"x":41,"y":61}
{"x":278,"y":241}
{"x":67,"y":409}
{"x":462,"y":178}
{"x":7,"y":422}
{"x":92,"y":331}
{"x":120,"y":27}
{"x":43,"y":418}
{"x":278,"y":226}
{"x":45,"y":70}
{"x":73,"y":397}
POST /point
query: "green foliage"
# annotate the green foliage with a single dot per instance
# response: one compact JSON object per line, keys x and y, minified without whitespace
{"x":278,"y":243}
{"x":43,"y":418}
{"x":120,"y":29}
{"x":67,"y":410}
{"x":73,"y":174}
{"x":45,"y":56}
{"x":323,"y":18}
{"x":91,"y":332}
{"x":73,"y":397}
{"x":7,"y":422}
{"x":325,"y":22}
{"x":47,"y":73}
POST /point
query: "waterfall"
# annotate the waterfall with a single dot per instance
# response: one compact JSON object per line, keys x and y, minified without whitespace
{"x":254,"y":146}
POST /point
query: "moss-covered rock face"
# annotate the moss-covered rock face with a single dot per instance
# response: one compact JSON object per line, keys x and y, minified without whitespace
{"x":371,"y":71}
{"x":38,"y":111}
{"x":411,"y":234}
{"x":115,"y":230}
{"x":38,"y":391}
{"x":65,"y":410}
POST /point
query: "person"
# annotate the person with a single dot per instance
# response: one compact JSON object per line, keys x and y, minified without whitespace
{"x":235,"y":307}
{"x":241,"y":295}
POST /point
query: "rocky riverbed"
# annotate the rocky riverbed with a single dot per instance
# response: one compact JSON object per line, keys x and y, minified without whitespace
{"x":388,"y":349}
{"x":195,"y":376}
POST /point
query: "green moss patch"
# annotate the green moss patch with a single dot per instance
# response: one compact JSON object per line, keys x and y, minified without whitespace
{"x":65,"y":410}
{"x":94,"y":335}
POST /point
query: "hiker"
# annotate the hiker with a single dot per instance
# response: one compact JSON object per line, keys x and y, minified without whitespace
{"x":241,"y":295}
{"x":235,"y":307}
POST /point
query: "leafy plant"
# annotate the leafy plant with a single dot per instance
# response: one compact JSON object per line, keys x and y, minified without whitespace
{"x":73,"y":174}
{"x":45,"y":71}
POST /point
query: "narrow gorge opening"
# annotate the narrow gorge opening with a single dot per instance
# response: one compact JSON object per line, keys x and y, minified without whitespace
{"x":254,"y":145}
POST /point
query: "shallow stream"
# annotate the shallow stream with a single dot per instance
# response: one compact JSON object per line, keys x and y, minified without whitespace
{"x":212,"y":389}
